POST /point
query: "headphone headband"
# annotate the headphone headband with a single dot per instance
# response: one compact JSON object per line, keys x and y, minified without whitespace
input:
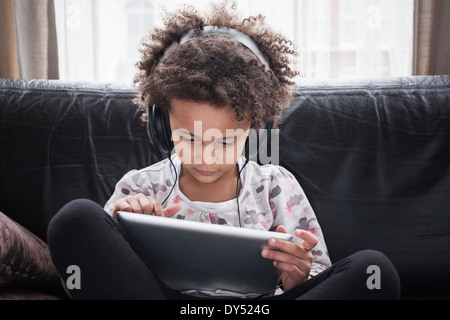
{"x":239,"y":36}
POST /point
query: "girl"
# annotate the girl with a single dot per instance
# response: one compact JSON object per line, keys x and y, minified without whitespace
{"x":215,"y":78}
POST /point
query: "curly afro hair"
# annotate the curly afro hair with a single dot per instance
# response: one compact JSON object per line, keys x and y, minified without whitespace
{"x":217,"y":69}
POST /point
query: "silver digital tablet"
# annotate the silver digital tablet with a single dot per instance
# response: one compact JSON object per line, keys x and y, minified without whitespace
{"x":190,"y":255}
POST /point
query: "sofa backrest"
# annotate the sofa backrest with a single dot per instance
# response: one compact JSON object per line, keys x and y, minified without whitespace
{"x":372,"y":156}
{"x":62,"y":141}
{"x":374,"y":160}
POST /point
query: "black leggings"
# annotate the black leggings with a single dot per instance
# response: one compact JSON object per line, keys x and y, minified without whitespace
{"x":83,"y":234}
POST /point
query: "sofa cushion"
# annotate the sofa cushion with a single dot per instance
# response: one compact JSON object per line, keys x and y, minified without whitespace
{"x":24,"y":258}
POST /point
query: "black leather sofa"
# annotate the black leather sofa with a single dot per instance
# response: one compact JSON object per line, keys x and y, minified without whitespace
{"x":373,"y":156}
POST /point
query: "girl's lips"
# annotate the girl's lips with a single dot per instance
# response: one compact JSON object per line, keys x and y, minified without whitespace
{"x":206,"y":173}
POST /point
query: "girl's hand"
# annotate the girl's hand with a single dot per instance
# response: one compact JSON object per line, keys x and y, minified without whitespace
{"x":294,"y":260}
{"x":141,"y":203}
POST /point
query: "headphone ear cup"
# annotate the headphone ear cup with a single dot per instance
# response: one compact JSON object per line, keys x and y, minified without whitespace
{"x":247,"y":148}
{"x":158,"y":128}
{"x":269,"y":126}
{"x":259,"y":142}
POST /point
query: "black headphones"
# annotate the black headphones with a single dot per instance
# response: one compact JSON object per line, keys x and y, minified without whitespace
{"x":159,"y":132}
{"x":159,"y":125}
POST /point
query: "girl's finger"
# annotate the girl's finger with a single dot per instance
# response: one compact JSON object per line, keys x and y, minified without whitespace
{"x":171,"y":210}
{"x":281,"y":256}
{"x":134,"y":203}
{"x":293,"y":270}
{"x":281,"y":229}
{"x":285,"y":246}
{"x":145,"y":203}
{"x":309,"y":240}
{"x":121,"y":205}
{"x":157,"y":207}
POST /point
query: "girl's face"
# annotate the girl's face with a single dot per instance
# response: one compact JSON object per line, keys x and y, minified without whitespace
{"x":208,"y":139}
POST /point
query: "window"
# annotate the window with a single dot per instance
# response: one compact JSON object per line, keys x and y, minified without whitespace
{"x":98,"y":39}
{"x":348,"y":23}
{"x":355,"y":38}
{"x":140,"y":16}
{"x":336,"y":38}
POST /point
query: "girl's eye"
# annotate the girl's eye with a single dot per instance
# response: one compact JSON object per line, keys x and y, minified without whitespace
{"x":194,"y":140}
{"x":190,"y":140}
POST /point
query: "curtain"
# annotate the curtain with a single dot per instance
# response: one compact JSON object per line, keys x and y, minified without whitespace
{"x":28,"y":39}
{"x":336,"y":38}
{"x":432,"y":37}
{"x":9,"y":67}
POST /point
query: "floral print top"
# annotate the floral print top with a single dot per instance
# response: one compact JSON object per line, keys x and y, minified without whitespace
{"x":270,"y":196}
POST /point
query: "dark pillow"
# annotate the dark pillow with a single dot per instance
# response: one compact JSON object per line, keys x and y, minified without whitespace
{"x":24,"y":258}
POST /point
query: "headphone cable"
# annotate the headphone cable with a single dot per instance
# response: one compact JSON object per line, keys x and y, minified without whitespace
{"x":237,"y":186}
{"x":237,"y":192}
{"x":176,"y":179}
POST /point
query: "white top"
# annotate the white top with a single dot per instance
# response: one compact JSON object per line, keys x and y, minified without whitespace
{"x":210,"y":205}
{"x":270,"y":196}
